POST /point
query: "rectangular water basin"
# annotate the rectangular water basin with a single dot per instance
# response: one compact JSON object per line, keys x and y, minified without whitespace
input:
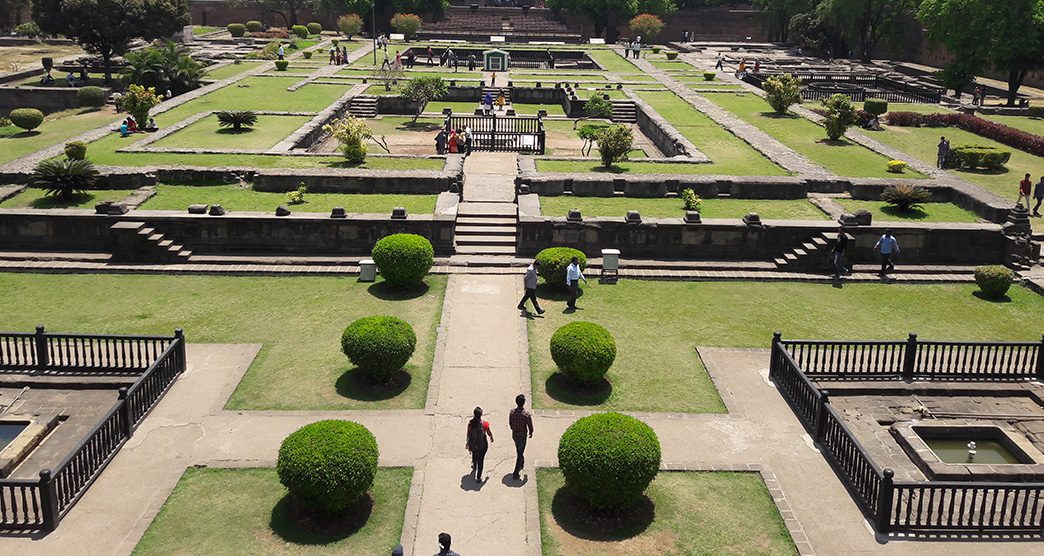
{"x":955,"y":450}
{"x":9,"y":431}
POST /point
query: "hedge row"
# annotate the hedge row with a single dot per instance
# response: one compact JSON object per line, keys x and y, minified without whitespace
{"x":1033,"y":144}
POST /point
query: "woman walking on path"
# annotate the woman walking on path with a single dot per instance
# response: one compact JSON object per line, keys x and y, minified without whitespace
{"x":478,"y":430}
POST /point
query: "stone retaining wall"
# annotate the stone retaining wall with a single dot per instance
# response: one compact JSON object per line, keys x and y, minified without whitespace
{"x":44,"y":99}
{"x":663,"y":134}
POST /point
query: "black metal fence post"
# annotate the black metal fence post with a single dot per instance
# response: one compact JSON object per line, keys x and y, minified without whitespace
{"x":125,"y":413}
{"x":48,"y":500}
{"x":821,"y":412}
{"x":179,"y":337}
{"x":1040,"y":359}
{"x":43,"y":359}
{"x":910,"y":359}
{"x":885,"y":494}
{"x":774,"y":357}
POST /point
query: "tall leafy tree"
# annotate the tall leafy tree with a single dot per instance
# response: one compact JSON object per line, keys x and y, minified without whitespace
{"x":286,"y":9}
{"x":865,"y":22}
{"x":1008,"y":35}
{"x":605,"y":14}
{"x":780,"y":12}
{"x":107,"y":27}
{"x":8,"y":9}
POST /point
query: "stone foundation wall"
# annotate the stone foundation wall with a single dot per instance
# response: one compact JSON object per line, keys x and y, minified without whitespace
{"x":356,"y":181}
{"x":44,"y":99}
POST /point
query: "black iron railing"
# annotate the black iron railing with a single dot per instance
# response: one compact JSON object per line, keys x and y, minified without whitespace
{"x":908,"y":506}
{"x":155,"y":360}
{"x":502,"y":133}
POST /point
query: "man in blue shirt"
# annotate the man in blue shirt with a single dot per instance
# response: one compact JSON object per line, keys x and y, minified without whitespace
{"x":573,"y":277}
{"x":888,"y":247}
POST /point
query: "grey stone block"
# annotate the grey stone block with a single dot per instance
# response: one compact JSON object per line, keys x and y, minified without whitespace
{"x":198,"y":209}
{"x":398,"y":213}
{"x":217,"y":210}
{"x":282,"y":211}
{"x":338,"y":212}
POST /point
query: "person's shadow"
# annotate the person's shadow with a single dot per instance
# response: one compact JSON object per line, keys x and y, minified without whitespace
{"x":468,"y":483}
{"x":510,"y":481}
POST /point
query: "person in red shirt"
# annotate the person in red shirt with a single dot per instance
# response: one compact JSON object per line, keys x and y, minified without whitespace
{"x":1024,"y":191}
{"x":478,"y":430}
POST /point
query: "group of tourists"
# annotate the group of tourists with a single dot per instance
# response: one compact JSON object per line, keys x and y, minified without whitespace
{"x":129,"y":125}
{"x":338,"y":56}
{"x":454,"y":141}
{"x":1025,"y":188}
{"x":887,"y":248}
{"x":488,"y":101}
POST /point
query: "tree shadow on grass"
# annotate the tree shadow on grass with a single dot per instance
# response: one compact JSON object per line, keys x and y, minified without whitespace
{"x":384,"y":290}
{"x":835,"y":142}
{"x":547,"y":292}
{"x":566,"y":390}
{"x":982,"y":296}
{"x":24,"y":134}
{"x":299,"y":523}
{"x":984,"y":171}
{"x":419,"y":126}
{"x":910,"y":214}
{"x":574,"y":516}
{"x":777,"y":116}
{"x":356,"y":385}
{"x":50,"y":202}
{"x":232,"y":131}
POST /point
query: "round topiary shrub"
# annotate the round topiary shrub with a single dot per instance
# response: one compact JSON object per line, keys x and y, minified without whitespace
{"x":307,"y":54}
{"x":583,"y":351}
{"x":254,"y":26}
{"x":379,"y":346}
{"x":671,"y":54}
{"x":76,"y":150}
{"x":875,"y":106}
{"x":553,"y":263}
{"x":403,"y":259}
{"x":609,"y":459}
{"x":281,"y":65}
{"x":236,"y":29}
{"x":709,"y":75}
{"x":26,"y":118}
{"x":91,"y":97}
{"x":328,"y":463}
{"x":314,"y":28}
{"x":300,"y":30}
{"x":993,"y":280}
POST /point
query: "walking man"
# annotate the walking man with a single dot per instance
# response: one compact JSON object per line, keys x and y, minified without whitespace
{"x":720,"y":64}
{"x":573,"y":277}
{"x":529,"y":281}
{"x":1038,"y":194}
{"x":478,"y":430}
{"x":467,"y":140}
{"x":1024,"y":191}
{"x":429,"y":56}
{"x":281,"y":51}
{"x":839,"y":253}
{"x":943,"y":152}
{"x":888,"y":247}
{"x":444,"y":545}
{"x":521,"y":423}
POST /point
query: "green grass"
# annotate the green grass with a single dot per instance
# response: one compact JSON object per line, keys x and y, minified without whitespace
{"x":392,"y":125}
{"x":236,"y":198}
{"x":247,"y":511}
{"x":921,"y":142}
{"x":57,"y":128}
{"x":612,"y":62}
{"x":843,"y":157}
{"x":458,"y":107}
{"x":206,"y":133}
{"x":532,"y":109}
{"x":690,"y":513}
{"x":796,"y":209}
{"x":231,"y":70}
{"x":729,"y":154}
{"x":298,"y":320}
{"x":918,"y":107}
{"x":657,"y":326}
{"x":629,"y":167}
{"x":586,"y":93}
{"x":203,"y":29}
{"x":930,"y":212}
{"x":35,"y":198}
{"x":665,"y":64}
{"x":1029,"y":124}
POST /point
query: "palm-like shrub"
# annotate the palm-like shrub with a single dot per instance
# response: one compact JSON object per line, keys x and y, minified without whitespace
{"x":782,"y":91}
{"x":905,"y":197}
{"x":379,"y":346}
{"x":236,"y":119}
{"x":609,"y":459}
{"x":330,"y":464}
{"x":64,"y":178}
{"x":163,"y":67}
{"x":583,"y":351}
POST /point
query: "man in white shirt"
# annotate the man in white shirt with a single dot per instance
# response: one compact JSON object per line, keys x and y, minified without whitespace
{"x":281,"y":51}
{"x":573,"y":277}
{"x":888,"y":247}
{"x":529,"y":281}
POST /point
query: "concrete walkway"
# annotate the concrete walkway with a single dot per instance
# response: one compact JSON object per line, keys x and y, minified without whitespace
{"x":490,"y":177}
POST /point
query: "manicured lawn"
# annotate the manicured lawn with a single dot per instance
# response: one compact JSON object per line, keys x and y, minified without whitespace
{"x":262,"y":94}
{"x":247,"y":511}
{"x":466,"y":108}
{"x":204,"y":29}
{"x":236,"y":198}
{"x":587,"y":93}
{"x":921,"y":142}
{"x":692,"y":512}
{"x":391,"y":125}
{"x":612,"y":62}
{"x":729,"y":154}
{"x":657,"y":326}
{"x":930,"y":212}
{"x":35,"y":198}
{"x":671,"y":65}
{"x":796,"y":209}
{"x":629,"y":167}
{"x":918,"y":107}
{"x":207,"y":133}
{"x":57,"y":128}
{"x":1028,"y":124}
{"x":842,"y":157}
{"x":232,"y":69}
{"x":532,"y":109}
{"x":299,"y":321}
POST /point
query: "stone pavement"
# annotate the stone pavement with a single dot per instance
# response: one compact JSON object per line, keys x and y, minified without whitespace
{"x":490,"y":177}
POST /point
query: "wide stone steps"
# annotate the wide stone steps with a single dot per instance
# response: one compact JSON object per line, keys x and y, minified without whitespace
{"x":363,"y":107}
{"x":486,"y":229}
{"x":485,"y":221}
{"x":624,"y":111}
{"x":811,"y":255}
{"x":136,"y":242}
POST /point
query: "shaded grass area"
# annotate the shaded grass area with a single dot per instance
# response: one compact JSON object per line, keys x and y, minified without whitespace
{"x":1029,"y":124}
{"x":532,"y":109}
{"x":247,"y":511}
{"x":729,"y":154}
{"x":929,"y":212}
{"x":842,"y":157}
{"x":236,"y":198}
{"x":628,"y":167}
{"x":231,"y":70}
{"x":36,"y":198}
{"x":657,"y":326}
{"x":691,"y":512}
{"x":57,"y":128}
{"x":918,"y":107}
{"x":299,"y":321}
{"x":207,"y":133}
{"x":791,"y":209}
{"x":391,"y":125}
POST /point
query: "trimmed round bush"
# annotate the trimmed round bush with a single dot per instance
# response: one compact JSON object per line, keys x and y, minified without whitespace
{"x":583,"y":351}
{"x":314,"y":28}
{"x":254,"y":26}
{"x":300,"y":30}
{"x":26,"y":118}
{"x":76,"y":150}
{"x":875,"y":106}
{"x":236,"y":29}
{"x":656,"y":50}
{"x":379,"y":346}
{"x":329,"y":464}
{"x":307,"y":54}
{"x":977,"y":156}
{"x":896,"y":166}
{"x":609,"y":459}
{"x":281,"y":65}
{"x":553,"y":263}
{"x":671,"y":54}
{"x":709,"y":75}
{"x":993,"y":280}
{"x":91,"y":97}
{"x":403,"y":259}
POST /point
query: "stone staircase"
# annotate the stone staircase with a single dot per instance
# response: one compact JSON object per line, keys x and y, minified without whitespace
{"x":813,"y":254}
{"x":494,"y":92}
{"x":136,"y":242}
{"x":363,"y":106}
{"x":486,"y":229}
{"x":624,"y":112}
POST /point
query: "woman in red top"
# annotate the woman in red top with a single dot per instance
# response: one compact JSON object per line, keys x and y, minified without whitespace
{"x":453,"y":141}
{"x":476,"y":443}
